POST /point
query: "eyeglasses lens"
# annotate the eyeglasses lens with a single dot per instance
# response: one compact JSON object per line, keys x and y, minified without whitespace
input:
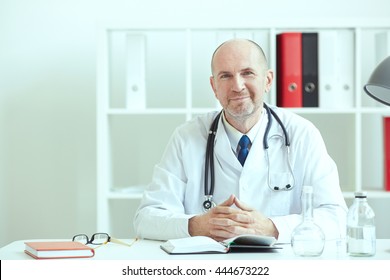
{"x":81,"y":238}
{"x":99,"y":238}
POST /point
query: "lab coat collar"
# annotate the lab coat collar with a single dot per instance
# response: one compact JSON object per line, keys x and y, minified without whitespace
{"x":234,"y":135}
{"x":224,"y":155}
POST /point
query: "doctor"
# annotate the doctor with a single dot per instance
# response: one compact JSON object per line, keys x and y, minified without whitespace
{"x":256,"y":192}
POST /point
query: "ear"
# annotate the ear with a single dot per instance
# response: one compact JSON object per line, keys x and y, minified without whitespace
{"x":268,"y":80}
{"x":212,"y":83}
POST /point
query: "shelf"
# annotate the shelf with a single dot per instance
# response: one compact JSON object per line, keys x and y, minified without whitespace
{"x":349,"y":121}
{"x":112,"y":195}
{"x":160,"y":111}
{"x":133,"y":192}
{"x":115,"y":195}
{"x":322,"y":111}
{"x":298,"y":23}
{"x":376,"y":110}
{"x":170,"y":111}
{"x":314,"y":110}
{"x":370,"y":194}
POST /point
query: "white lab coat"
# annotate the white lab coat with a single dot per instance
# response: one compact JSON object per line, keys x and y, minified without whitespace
{"x":176,"y":192}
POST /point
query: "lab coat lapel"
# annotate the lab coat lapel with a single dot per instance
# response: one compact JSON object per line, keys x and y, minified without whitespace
{"x":223,"y":151}
{"x":256,"y":159}
{"x":225,"y":156}
{"x":276,"y":151}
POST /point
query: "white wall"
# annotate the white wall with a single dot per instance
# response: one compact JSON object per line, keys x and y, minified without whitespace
{"x":47,"y":95}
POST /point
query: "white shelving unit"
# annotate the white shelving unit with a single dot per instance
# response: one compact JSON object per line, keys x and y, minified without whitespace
{"x":152,"y":79}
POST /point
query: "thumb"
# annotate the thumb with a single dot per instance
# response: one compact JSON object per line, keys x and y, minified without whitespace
{"x":229,"y":201}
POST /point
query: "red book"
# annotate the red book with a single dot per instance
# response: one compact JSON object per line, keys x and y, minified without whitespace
{"x":289,"y":69}
{"x":58,"y":250}
{"x":386,"y":147}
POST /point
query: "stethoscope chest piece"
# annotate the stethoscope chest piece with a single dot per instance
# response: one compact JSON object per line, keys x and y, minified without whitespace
{"x":208,"y":203}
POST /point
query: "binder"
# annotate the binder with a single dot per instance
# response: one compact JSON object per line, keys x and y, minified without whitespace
{"x":386,"y":142}
{"x":336,"y":68}
{"x":310,"y":69}
{"x":345,"y":75}
{"x":289,"y":69}
{"x":136,"y":81}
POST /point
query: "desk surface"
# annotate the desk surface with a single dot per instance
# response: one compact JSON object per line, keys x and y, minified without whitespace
{"x":150,"y":250}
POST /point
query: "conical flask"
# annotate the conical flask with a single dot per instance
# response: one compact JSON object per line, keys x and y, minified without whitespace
{"x":307,"y":239}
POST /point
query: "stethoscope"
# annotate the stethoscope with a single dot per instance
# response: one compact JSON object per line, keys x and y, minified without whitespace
{"x":209,"y":162}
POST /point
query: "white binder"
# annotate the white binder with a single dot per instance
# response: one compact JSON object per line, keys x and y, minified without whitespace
{"x":336,"y":69}
{"x":135,"y":81}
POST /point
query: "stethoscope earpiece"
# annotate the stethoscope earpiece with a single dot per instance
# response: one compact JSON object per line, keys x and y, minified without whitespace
{"x":288,"y":186}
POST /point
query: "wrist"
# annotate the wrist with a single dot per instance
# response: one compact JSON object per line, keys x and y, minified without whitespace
{"x":193,"y":225}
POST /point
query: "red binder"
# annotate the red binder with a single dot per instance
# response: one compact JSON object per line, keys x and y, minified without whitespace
{"x":289,"y":69}
{"x":386,"y":142}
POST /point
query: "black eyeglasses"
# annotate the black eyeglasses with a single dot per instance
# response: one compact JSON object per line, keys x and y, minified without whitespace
{"x":96,"y":239}
{"x":99,"y":239}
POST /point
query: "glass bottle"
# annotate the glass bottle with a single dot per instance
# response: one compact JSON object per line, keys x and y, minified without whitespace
{"x":307,"y":239}
{"x":361,"y":240}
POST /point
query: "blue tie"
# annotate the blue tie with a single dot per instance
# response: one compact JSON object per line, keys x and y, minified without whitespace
{"x":244,"y":149}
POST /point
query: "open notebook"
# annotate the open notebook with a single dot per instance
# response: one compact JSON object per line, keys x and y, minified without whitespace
{"x":207,"y":245}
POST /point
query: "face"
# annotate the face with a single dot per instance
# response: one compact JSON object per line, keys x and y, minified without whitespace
{"x":240,"y":79}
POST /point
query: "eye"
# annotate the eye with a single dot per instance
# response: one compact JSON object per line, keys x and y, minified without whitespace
{"x":248,"y":73}
{"x":225,"y":76}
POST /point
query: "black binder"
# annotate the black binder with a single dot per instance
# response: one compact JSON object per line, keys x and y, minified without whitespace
{"x":310,"y":70}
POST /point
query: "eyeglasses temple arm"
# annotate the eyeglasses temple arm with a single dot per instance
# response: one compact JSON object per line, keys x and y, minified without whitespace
{"x":117,"y":241}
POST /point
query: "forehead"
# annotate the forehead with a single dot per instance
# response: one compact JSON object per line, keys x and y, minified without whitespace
{"x":237,"y":55}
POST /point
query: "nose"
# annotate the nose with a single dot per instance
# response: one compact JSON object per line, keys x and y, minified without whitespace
{"x":238,"y":83}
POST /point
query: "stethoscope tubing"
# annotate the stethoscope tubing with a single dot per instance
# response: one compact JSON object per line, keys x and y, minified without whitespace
{"x":209,"y":158}
{"x":209,"y":164}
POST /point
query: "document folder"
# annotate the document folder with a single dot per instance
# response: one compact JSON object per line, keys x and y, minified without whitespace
{"x":310,"y":69}
{"x":289,"y":69}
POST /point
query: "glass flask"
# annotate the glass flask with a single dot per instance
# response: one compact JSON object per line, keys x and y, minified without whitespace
{"x":307,"y":239}
{"x":361,"y":240}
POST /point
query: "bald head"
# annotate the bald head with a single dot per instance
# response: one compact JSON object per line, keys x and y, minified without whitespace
{"x":233,"y":46}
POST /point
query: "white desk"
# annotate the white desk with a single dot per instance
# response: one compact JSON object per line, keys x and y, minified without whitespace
{"x":150,"y":250}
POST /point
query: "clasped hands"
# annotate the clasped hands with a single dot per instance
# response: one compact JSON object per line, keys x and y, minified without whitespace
{"x":223,"y":221}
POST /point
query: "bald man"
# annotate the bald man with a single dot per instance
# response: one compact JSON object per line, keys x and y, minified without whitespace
{"x":244,"y":193}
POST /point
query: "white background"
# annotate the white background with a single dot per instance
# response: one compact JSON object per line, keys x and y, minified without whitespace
{"x":48,"y":88}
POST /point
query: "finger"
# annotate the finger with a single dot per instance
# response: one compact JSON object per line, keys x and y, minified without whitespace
{"x":221,"y":235}
{"x":229,"y":201}
{"x":231,"y":231}
{"x":235,"y":214}
{"x":223,"y":222}
{"x":241,"y":205}
{"x":224,"y":206}
{"x":241,"y":218}
{"x":226,"y":210}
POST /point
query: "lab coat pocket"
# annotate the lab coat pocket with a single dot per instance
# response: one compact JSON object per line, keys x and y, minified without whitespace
{"x":280,"y":198}
{"x":280,"y":181}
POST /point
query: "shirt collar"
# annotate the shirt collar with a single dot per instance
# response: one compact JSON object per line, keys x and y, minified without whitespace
{"x":234,"y":135}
